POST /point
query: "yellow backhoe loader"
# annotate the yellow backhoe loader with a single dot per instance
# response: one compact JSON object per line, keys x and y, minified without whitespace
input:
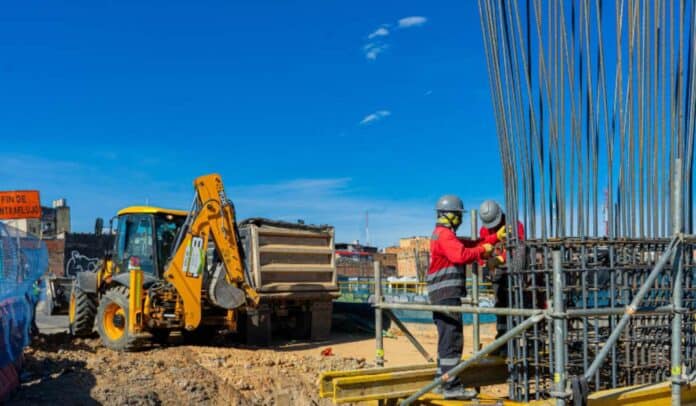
{"x":162,"y":276}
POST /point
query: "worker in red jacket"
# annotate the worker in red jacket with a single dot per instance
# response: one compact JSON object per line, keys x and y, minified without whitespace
{"x":493,"y":219}
{"x":446,"y":282}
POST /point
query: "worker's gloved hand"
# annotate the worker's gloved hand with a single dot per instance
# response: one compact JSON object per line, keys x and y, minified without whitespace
{"x":495,"y":262}
{"x":501,"y":234}
{"x":487,"y":250}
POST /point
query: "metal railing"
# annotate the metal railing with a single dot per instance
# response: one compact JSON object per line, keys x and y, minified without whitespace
{"x":365,"y":288}
{"x":553,"y":326}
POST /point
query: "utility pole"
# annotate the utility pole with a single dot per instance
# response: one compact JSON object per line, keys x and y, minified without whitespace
{"x":367,"y":228}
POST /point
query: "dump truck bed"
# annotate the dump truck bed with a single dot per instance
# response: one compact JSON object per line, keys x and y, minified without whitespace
{"x":289,"y":259}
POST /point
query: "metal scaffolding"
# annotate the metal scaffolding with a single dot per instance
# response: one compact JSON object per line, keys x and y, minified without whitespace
{"x":588,"y":315}
{"x":595,"y":109}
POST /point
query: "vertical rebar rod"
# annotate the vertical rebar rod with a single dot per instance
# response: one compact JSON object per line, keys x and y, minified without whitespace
{"x":379,"y":352}
{"x":612,"y":318}
{"x":585,"y":329}
{"x":677,"y":289}
{"x":475,"y":287}
{"x":559,"y":375}
{"x":595,"y":283}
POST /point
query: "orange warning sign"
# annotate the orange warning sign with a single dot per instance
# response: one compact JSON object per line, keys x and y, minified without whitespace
{"x":20,"y":204}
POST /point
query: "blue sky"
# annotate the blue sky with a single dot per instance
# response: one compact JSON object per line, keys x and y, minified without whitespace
{"x":319,"y":110}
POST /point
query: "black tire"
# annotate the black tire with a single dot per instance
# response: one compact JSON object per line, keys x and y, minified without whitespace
{"x":81,"y":311}
{"x":112,"y":320}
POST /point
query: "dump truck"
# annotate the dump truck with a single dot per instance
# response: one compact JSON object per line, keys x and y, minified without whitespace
{"x":292,"y":268}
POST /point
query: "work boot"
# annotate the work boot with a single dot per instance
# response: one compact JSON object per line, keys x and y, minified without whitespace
{"x":459,"y":393}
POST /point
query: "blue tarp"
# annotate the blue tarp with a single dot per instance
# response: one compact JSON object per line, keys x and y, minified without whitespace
{"x":23,"y":260}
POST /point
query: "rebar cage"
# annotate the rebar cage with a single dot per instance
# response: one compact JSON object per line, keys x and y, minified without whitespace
{"x":599,"y":276}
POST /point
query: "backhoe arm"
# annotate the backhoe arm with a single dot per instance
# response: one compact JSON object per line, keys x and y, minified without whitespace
{"x":212,"y":217}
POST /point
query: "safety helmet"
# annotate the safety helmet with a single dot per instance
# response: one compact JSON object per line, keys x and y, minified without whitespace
{"x":491,"y":214}
{"x":449,"y":210}
{"x":450,"y":203}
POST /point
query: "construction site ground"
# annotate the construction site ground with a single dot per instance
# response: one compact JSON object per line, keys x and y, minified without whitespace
{"x":59,"y":369}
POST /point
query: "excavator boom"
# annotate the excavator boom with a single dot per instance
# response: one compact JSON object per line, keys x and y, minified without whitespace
{"x":212,"y":216}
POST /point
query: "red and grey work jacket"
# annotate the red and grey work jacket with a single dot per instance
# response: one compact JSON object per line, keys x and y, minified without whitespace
{"x":485,"y":233}
{"x":446,"y":278}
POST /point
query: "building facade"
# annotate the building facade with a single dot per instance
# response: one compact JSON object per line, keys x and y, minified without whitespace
{"x":412,"y":256}
{"x":356,"y":260}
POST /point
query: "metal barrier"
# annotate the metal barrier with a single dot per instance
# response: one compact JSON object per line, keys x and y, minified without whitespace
{"x":362,"y":289}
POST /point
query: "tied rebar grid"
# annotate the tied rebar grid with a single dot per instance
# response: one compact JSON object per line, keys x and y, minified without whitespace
{"x":598,"y":275}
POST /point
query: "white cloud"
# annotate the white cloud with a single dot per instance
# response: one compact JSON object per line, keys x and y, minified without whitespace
{"x":377,"y":38}
{"x":412,"y":21}
{"x":376,"y":116}
{"x":379,"y":32}
{"x":373,"y":49}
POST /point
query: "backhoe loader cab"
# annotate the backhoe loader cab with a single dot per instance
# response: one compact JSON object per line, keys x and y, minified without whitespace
{"x":156,"y":278}
{"x":148,"y":233}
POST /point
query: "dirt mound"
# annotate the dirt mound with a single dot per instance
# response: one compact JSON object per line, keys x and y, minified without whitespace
{"x":59,"y":369}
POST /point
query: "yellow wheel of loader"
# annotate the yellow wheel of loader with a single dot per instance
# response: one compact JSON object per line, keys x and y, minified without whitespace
{"x":161,"y":277}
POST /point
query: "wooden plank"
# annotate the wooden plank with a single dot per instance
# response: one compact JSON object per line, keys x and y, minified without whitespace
{"x":326,"y":378}
{"x":393,"y":385}
{"x":641,"y":395}
{"x":395,"y":382}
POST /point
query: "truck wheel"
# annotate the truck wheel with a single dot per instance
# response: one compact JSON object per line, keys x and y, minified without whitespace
{"x":112,"y":320}
{"x":81,"y":311}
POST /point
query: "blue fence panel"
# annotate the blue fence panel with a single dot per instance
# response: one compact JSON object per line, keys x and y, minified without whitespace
{"x":23,"y":260}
